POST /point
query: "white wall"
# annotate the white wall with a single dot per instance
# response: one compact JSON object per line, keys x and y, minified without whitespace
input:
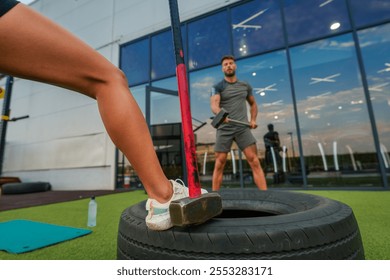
{"x":64,"y":141}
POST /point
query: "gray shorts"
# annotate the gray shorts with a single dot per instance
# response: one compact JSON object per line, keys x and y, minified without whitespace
{"x":225,"y":138}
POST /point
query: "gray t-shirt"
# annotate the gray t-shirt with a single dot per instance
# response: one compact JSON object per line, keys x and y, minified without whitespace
{"x":233,"y":100}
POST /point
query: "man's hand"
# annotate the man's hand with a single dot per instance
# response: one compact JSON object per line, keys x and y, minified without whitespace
{"x":253,"y":124}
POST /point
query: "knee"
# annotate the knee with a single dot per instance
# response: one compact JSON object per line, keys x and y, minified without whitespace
{"x":115,"y":76}
{"x":253,"y":161}
{"x":220,"y":163}
{"x":108,"y":81}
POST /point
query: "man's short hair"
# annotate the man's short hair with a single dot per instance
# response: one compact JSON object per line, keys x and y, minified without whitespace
{"x":227,"y":57}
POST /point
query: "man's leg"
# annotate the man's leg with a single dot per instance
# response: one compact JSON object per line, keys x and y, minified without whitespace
{"x":220,"y":161}
{"x":250,"y":153}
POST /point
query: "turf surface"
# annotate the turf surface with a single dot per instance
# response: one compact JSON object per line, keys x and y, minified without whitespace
{"x":371,"y":208}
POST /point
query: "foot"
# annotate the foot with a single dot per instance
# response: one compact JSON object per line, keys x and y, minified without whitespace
{"x":158,"y":217}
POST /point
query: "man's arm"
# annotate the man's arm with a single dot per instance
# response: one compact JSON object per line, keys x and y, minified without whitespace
{"x":214,"y":103}
{"x":253,"y":110}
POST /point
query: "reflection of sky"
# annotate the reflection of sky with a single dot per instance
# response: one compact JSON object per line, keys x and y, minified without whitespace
{"x":257,"y":27}
{"x":368,"y":12}
{"x":375,"y":50}
{"x":165,"y":108}
{"x":330,"y":95}
{"x":330,"y":98}
{"x":333,"y":110}
{"x":207,"y":40}
{"x":312,"y":19}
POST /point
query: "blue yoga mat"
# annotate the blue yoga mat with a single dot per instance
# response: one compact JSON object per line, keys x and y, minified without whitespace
{"x":20,"y":236}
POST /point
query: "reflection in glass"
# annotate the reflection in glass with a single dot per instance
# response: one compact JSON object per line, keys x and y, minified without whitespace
{"x":375,"y":45}
{"x":164,"y":108}
{"x":370,"y":11}
{"x":134,"y":61}
{"x":139,"y":96}
{"x":307,"y":20}
{"x":268,"y":75}
{"x":163,"y":59}
{"x":256,"y":27}
{"x":332,"y":107}
{"x":208,"y":40}
{"x":168,"y":147}
{"x":335,"y":128}
{"x":201,"y":83}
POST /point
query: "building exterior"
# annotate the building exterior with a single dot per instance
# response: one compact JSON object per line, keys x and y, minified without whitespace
{"x":320,"y":71}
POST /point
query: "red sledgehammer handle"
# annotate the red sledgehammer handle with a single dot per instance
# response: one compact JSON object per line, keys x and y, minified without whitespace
{"x":185,"y":108}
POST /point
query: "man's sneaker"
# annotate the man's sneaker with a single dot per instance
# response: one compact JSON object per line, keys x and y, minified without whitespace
{"x":158,"y":217}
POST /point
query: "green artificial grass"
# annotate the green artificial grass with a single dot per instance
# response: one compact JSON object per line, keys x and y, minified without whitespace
{"x":371,"y":208}
{"x":372,"y":212}
{"x":99,"y":245}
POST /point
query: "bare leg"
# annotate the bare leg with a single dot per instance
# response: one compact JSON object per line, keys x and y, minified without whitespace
{"x":258,"y":174}
{"x":35,"y":48}
{"x":220,"y":161}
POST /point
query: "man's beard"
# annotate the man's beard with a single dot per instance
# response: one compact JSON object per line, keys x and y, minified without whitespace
{"x":230,"y":74}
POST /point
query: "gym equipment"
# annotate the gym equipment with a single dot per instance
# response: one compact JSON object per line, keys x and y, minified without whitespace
{"x":28,"y":187}
{"x":197,"y":208}
{"x":222,"y":116}
{"x":254,"y":225}
{"x":5,"y":118}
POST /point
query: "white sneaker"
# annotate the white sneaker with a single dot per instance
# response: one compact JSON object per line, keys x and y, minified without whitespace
{"x":158,"y":217}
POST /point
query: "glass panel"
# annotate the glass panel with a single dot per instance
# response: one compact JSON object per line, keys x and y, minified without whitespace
{"x":375,"y":45}
{"x":167,"y":143}
{"x":139,"y":96}
{"x":165,"y":108}
{"x":370,"y":11}
{"x":201,"y":83}
{"x":256,"y":27}
{"x":268,"y":75}
{"x":126,"y":175}
{"x":166,"y":128}
{"x":307,"y":20}
{"x":134,"y":62}
{"x":163,"y":58}
{"x":208,"y":40}
{"x":338,"y":147}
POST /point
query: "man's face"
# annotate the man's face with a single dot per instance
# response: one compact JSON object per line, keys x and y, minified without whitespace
{"x":229,"y":67}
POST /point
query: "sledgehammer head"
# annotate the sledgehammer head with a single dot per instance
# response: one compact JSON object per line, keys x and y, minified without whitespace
{"x":219,"y":118}
{"x":193,"y":211}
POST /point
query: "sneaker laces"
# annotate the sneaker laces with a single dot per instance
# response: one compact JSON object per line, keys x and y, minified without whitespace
{"x":180,"y":181}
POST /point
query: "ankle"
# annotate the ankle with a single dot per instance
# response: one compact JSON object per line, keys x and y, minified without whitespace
{"x":165,"y":193}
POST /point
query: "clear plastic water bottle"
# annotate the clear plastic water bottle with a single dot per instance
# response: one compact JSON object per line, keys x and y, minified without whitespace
{"x":92,"y":211}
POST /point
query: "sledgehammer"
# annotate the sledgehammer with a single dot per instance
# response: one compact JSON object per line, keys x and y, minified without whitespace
{"x":221,"y":117}
{"x":197,"y":208}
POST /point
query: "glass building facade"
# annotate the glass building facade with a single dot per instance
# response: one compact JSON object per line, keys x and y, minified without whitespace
{"x":320,"y":71}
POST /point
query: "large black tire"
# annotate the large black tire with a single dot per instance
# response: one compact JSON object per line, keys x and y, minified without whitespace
{"x":272,"y":225}
{"x":30,"y":187}
{"x":6,"y":180}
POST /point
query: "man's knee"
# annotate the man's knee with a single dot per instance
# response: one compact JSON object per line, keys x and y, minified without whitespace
{"x":220,"y":161}
{"x":252,"y":159}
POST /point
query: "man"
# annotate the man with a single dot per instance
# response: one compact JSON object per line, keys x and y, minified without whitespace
{"x":233,"y":95}
{"x":271,"y":140}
